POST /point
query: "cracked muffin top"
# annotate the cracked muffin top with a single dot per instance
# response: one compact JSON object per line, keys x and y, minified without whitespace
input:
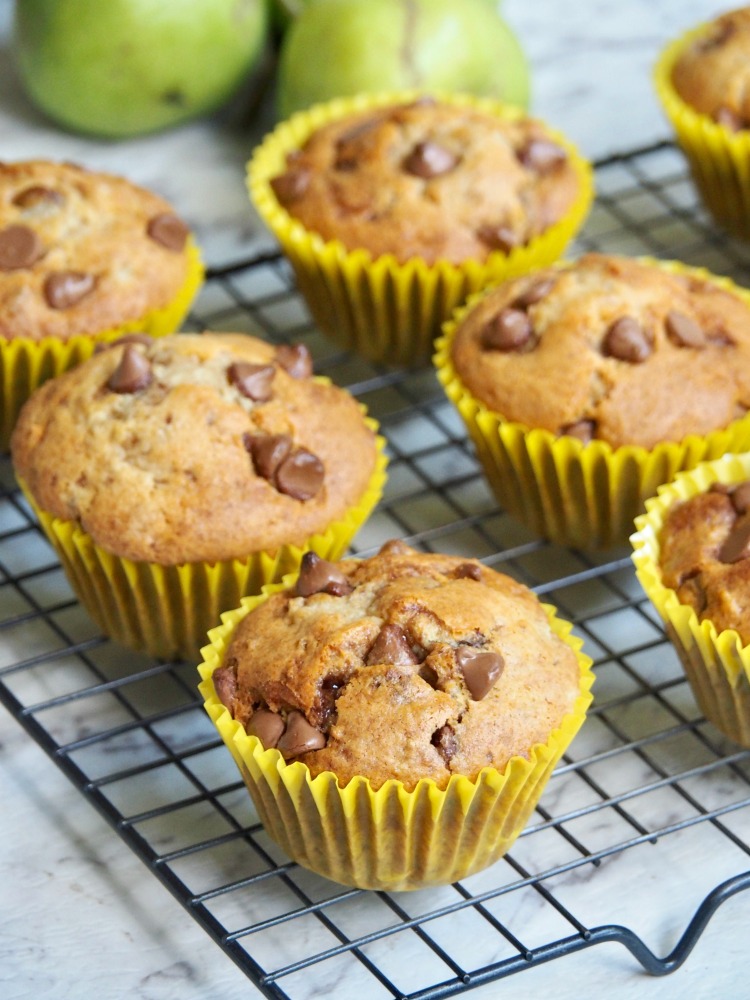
{"x":705,"y":555}
{"x":194,"y":447}
{"x":608,"y":347}
{"x":83,"y":252}
{"x":712,"y":74}
{"x":406,"y":665}
{"x":430,"y":180}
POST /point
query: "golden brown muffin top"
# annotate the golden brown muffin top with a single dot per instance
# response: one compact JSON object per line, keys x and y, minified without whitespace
{"x":705,"y":555}
{"x":406,"y":665}
{"x":83,"y":252}
{"x":611,"y":348}
{"x":428,"y":180}
{"x":712,"y":74}
{"x":194,"y":447}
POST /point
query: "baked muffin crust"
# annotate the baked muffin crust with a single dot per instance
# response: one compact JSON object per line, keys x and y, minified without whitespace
{"x":406,"y":665}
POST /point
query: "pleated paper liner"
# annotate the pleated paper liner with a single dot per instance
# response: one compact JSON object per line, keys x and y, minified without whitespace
{"x":719,"y":159}
{"x":583,"y":495}
{"x":716,"y":663}
{"x":26,"y":363}
{"x":389,"y":838}
{"x":167,"y":611}
{"x":383,"y":310}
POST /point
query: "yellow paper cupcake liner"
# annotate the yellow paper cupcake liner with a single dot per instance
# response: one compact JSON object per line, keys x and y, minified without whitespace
{"x":583,"y":495}
{"x":383,"y":310}
{"x":25,"y":363}
{"x":719,"y":159}
{"x":389,"y":838}
{"x":717,"y":664}
{"x":166,"y":611}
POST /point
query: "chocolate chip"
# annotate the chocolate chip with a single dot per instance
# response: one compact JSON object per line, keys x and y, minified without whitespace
{"x":534,"y":293}
{"x":542,"y":155}
{"x":35,"y":195}
{"x":728,"y":118}
{"x":510,"y":330}
{"x":253,"y":381}
{"x":168,"y":230}
{"x":132,"y":373}
{"x":295,"y":359}
{"x":499,"y":237}
{"x":468,"y":571}
{"x":330,"y":689}
{"x":300,"y":475}
{"x":267,"y":726}
{"x":65,"y":289}
{"x":741,"y":497}
{"x":19,"y":247}
{"x":299,"y":736}
{"x":126,"y":338}
{"x":318,"y":576}
{"x":684,"y":331}
{"x":737,"y":543}
{"x":444,"y":741}
{"x":268,"y":451}
{"x":626,"y":340}
{"x":291,"y":185}
{"x":429,"y":159}
{"x":480,"y":669}
{"x":581,"y":429}
{"x":225,"y":683}
{"x":391,"y":646}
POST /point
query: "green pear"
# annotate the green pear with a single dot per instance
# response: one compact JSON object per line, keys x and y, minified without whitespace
{"x":116,"y":68}
{"x":342,"y":47}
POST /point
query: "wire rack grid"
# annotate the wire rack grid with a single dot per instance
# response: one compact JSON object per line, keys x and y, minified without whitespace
{"x":645,"y":790}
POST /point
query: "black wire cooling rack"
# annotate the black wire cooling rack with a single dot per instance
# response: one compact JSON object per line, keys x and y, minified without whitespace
{"x":614,"y":851}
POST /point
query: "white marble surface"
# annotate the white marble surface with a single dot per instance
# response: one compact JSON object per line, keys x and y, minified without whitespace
{"x":80,"y":916}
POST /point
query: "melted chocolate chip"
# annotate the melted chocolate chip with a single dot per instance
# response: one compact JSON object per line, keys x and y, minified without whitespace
{"x":510,"y":330}
{"x":225,"y":683}
{"x":684,"y":331}
{"x":480,"y":670}
{"x":542,"y":155}
{"x":444,"y":741}
{"x":253,"y":381}
{"x":429,"y":159}
{"x":268,"y":451}
{"x":295,"y":359}
{"x":299,"y":736}
{"x":291,"y":185}
{"x":168,"y":230}
{"x":267,"y":726}
{"x":330,"y":689}
{"x":391,"y":646}
{"x":20,"y":247}
{"x":35,"y":195}
{"x":300,"y":475}
{"x":741,"y":497}
{"x":534,"y":293}
{"x":317,"y":576}
{"x":737,"y":543}
{"x":469,"y":571}
{"x":132,"y":373}
{"x":626,"y":340}
{"x":65,"y":289}
{"x":581,"y":429}
{"x":499,"y":237}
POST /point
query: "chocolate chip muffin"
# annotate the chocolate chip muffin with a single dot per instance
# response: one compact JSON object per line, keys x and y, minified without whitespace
{"x":405,"y":665}
{"x":197,"y":450}
{"x":392,"y":209}
{"x":429,"y":180}
{"x":609,"y":374}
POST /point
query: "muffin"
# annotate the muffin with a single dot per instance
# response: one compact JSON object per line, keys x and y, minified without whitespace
{"x":392,"y":208}
{"x":175,"y":475}
{"x":84,"y":258}
{"x":692,"y":557}
{"x":586,"y":385}
{"x":702,"y":81}
{"x":395,"y":718}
